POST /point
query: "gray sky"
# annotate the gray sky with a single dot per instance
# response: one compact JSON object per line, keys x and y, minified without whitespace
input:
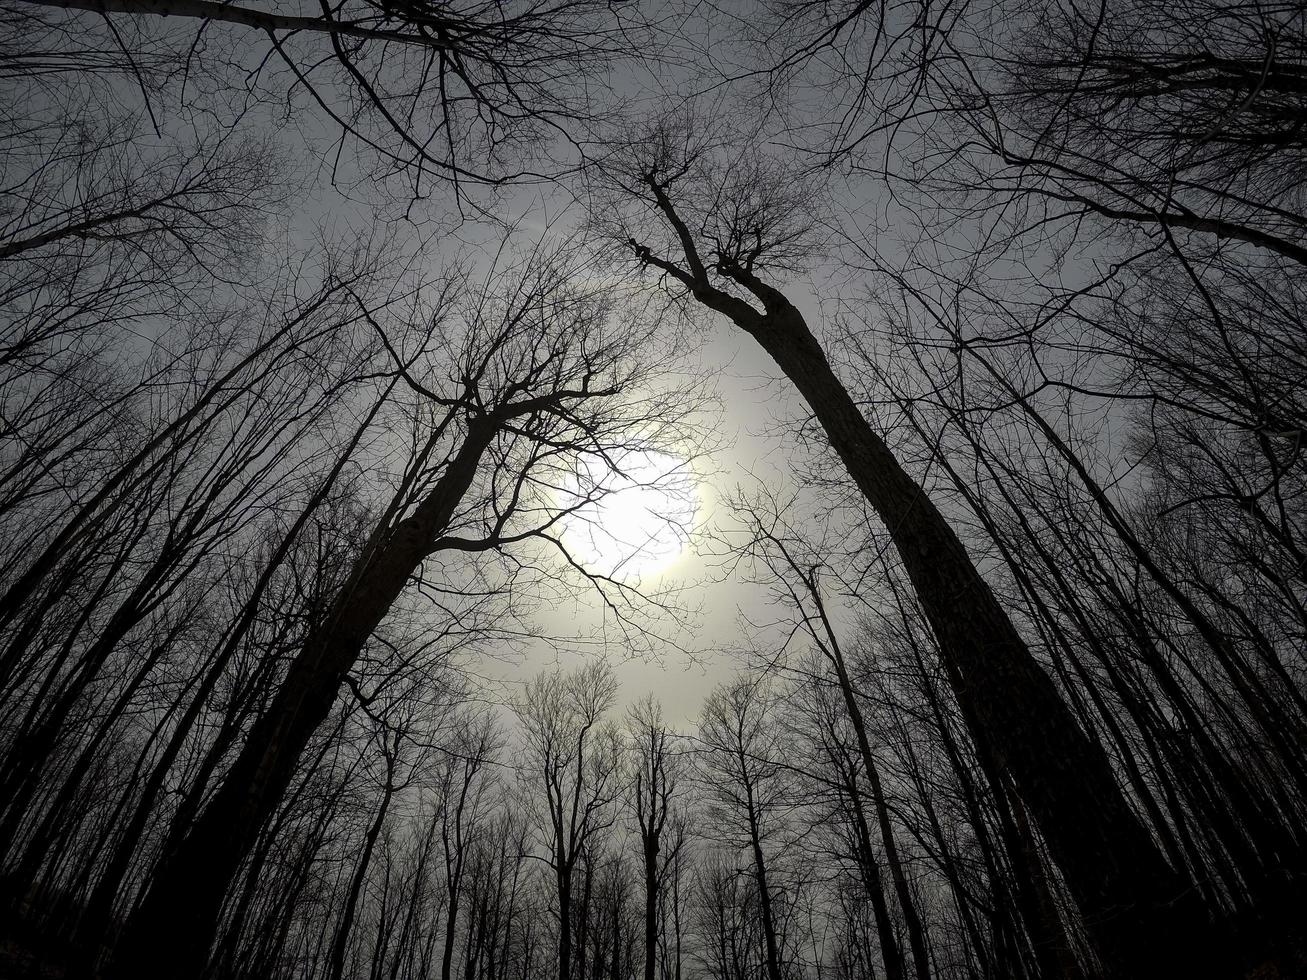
{"x":753,"y":403}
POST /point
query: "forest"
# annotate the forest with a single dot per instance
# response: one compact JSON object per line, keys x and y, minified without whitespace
{"x":653,"y":489}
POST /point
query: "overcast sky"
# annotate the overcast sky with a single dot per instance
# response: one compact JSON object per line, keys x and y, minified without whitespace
{"x":700,"y":648}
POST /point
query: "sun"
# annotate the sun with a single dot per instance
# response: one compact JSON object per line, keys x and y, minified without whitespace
{"x":630,"y":515}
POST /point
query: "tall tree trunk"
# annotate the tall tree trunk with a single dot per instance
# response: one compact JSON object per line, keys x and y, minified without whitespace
{"x":1142,"y":918}
{"x":451,"y":926}
{"x":340,"y":945}
{"x":872,"y":880}
{"x":835,"y":654}
{"x":99,"y":907}
{"x":650,"y":905}
{"x":771,"y":947}
{"x":175,"y":924}
{"x":676,"y":914}
{"x":583,"y":920}
{"x":564,"y":881}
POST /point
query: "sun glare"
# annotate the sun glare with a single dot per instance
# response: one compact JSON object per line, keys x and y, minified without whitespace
{"x":633,"y":518}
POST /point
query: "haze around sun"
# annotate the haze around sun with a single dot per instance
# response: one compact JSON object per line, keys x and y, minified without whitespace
{"x":631,"y":515}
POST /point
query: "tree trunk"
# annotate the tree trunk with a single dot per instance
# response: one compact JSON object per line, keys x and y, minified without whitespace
{"x":773,"y":963}
{"x":340,"y":946}
{"x":891,"y":953}
{"x":175,"y":924}
{"x":1142,"y":919}
{"x":834,"y":653}
{"x":564,"y":923}
{"x":451,"y":925}
{"x":650,"y":905}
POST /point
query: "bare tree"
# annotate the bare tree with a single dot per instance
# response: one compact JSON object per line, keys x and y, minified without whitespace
{"x":540,"y":372}
{"x":652,"y":800}
{"x":1107,"y":855}
{"x":462,"y":808}
{"x":739,"y":761}
{"x":474,"y":93}
{"x":576,"y":760}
